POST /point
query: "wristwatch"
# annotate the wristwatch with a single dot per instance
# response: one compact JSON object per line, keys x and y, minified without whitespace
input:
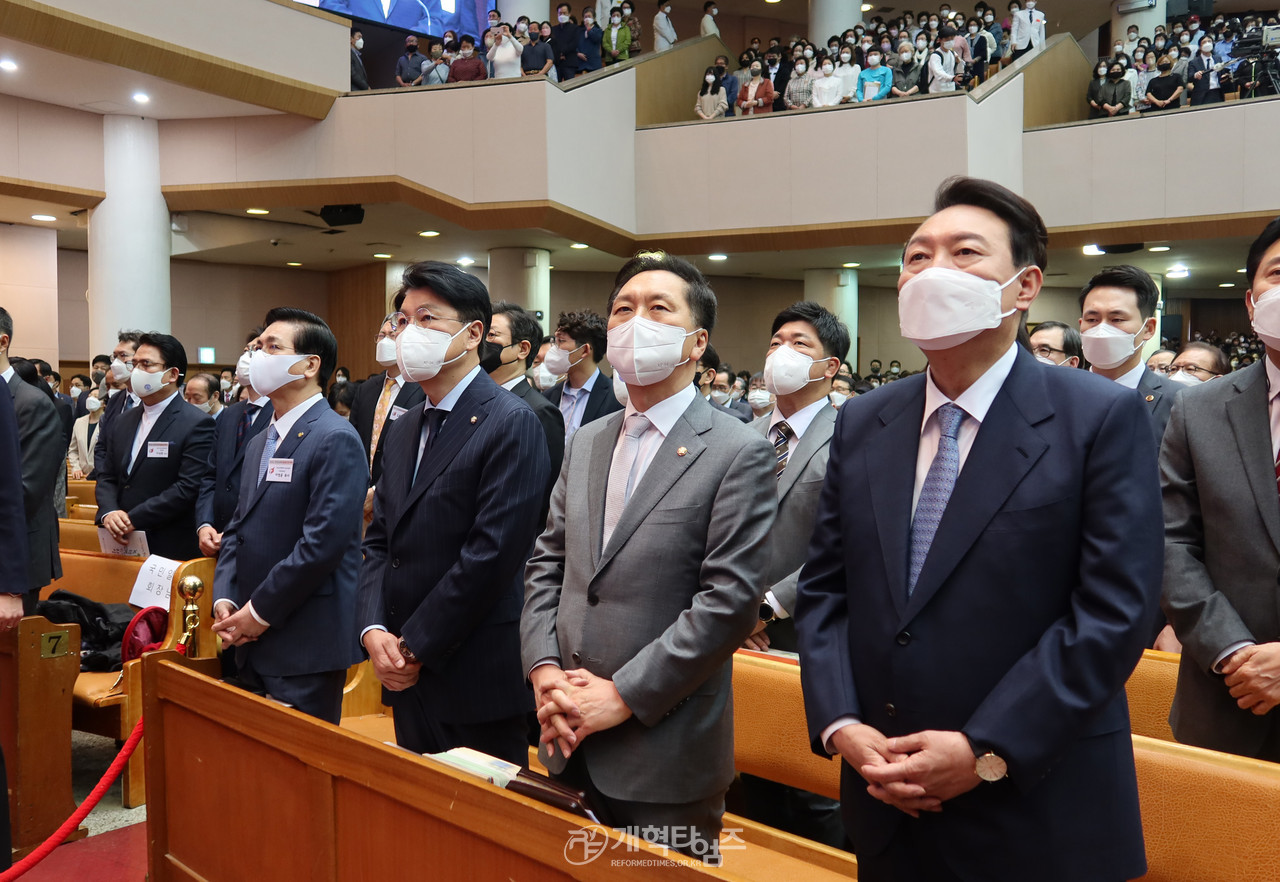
{"x":767,"y":612}
{"x":990,"y":767}
{"x":406,"y":651}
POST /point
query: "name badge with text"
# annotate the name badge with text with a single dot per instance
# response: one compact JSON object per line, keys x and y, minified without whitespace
{"x":280,"y":470}
{"x":396,"y":412}
{"x":157,"y":450}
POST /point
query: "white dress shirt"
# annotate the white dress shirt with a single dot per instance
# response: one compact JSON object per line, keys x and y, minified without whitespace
{"x":975,"y":402}
{"x":8,"y":374}
{"x":510,"y":385}
{"x":799,"y":423}
{"x":573,"y":402}
{"x":446,"y":404}
{"x":150,"y":413}
{"x":1130,"y":379}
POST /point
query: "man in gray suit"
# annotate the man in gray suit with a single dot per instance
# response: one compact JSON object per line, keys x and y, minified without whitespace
{"x":649,"y":575}
{"x":40,"y":437}
{"x":285,"y":587}
{"x":1222,"y":538}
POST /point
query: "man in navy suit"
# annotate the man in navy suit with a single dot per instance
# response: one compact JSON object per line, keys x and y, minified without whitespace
{"x":577,"y":347}
{"x":454,"y":519}
{"x":155,"y":455}
{"x":985,"y":563}
{"x":285,"y":587}
{"x":220,"y":490}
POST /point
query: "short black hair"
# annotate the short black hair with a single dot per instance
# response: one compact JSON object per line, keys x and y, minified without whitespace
{"x":42,"y":366}
{"x":171,"y":350}
{"x":707,"y":6}
{"x":467,"y":38}
{"x":832,"y":332}
{"x":946,"y":33}
{"x":1028,"y":238}
{"x":355,"y":31}
{"x":464,"y":292}
{"x":311,"y":336}
{"x":523,"y":327}
{"x":1268,"y":237}
{"x":710,"y":360}
{"x":83,"y":379}
{"x":100,"y":359}
{"x":1071,"y":344}
{"x":585,"y":326}
{"x":56,"y":376}
{"x":6,"y":324}
{"x":698,"y":293}
{"x":1125,"y":276}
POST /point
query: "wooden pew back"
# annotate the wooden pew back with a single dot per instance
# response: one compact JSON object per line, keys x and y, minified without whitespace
{"x":353,"y":808}
{"x":39,"y":662}
{"x":1150,"y":691}
{"x":77,"y":535}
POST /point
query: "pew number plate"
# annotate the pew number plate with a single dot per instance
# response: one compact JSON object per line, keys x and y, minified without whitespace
{"x":54,"y":644}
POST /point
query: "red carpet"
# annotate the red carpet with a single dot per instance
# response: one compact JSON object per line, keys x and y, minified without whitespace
{"x":114,"y":856}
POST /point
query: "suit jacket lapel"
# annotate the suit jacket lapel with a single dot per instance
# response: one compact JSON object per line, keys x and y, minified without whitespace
{"x":814,"y":439}
{"x":1005,"y":450}
{"x":1151,"y":389}
{"x":261,"y":420}
{"x":890,"y":459}
{"x":1251,"y":422}
{"x":286,"y":446}
{"x":158,"y":428}
{"x":661,"y":475}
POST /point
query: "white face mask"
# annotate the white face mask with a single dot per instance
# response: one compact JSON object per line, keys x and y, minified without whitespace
{"x":973,"y":29}
{"x":147,"y":383}
{"x":242,"y":369}
{"x":873,"y":60}
{"x":758,"y":398}
{"x":1266,"y":317}
{"x":921,"y":44}
{"x":1107,"y":346}
{"x":800,"y":68}
{"x":562,"y":19}
{"x":710,"y":78}
{"x":384,"y":353}
{"x":620,"y":390}
{"x":542,"y":377}
{"x":719,"y":397}
{"x":827,"y":70}
{"x":557,"y":359}
{"x":267,"y":373}
{"x":615,"y":19}
{"x":467,"y":53}
{"x":845,"y":56}
{"x":224,"y":384}
{"x":119,"y":370}
{"x":420,"y":352}
{"x":787,"y":371}
{"x":939,"y":308}
{"x":837,"y":399}
{"x":93,"y":404}
{"x":808,"y":53}
{"x":1185,"y":378}
{"x":522,"y":28}
{"x":207,"y":407}
{"x":588,"y":21}
{"x":359,"y":43}
{"x":75,"y":391}
{"x":907,"y":56}
{"x":645,"y":352}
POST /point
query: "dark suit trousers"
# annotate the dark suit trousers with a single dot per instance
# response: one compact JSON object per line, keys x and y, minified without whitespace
{"x":319,"y":695}
{"x":806,"y":814}
{"x":419,"y":731}
{"x":691,"y":828}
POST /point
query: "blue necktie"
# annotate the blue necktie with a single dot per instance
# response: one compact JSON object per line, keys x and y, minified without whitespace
{"x":269,"y":451}
{"x":936,"y":491}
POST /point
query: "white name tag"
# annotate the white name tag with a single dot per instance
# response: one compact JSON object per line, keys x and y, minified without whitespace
{"x":396,"y":412}
{"x":280,"y":470}
{"x":157,"y":450}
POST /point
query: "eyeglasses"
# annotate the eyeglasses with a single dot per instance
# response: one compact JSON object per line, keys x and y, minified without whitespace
{"x":146,"y":366}
{"x":423,"y":317}
{"x":1046,"y":351}
{"x":1194,"y":370}
{"x":1161,"y":368}
{"x":271,"y":348}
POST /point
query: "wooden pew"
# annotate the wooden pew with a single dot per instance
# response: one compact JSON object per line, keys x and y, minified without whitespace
{"x":38,"y":667}
{"x":362,"y":694}
{"x":1150,"y":691}
{"x":350,"y":807}
{"x":109,"y":703}
{"x":86,"y":507}
{"x":77,"y":535}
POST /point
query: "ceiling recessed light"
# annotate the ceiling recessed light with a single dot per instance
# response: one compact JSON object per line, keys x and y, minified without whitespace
{"x":381,"y":255}
{"x":257,"y":211}
{"x":43,"y":217}
{"x":1226,"y":284}
{"x":867,"y":7}
{"x":1092,"y":251}
{"x":293,"y":263}
{"x":1158,"y":248}
{"x":853,"y":264}
{"x":428,"y":234}
{"x":141,"y":97}
{"x":1177,"y":271}
{"x":1242,"y":270}
{"x":578,"y":246}
{"x":717,"y":257}
{"x":8,"y":65}
{"x":466,"y":261}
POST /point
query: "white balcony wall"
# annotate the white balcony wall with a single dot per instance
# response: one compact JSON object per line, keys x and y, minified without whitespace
{"x":50,"y":144}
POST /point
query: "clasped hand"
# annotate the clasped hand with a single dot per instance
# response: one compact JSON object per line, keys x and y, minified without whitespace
{"x":235,"y":628}
{"x":574,"y":704}
{"x":1253,"y":677}
{"x":913,"y":773}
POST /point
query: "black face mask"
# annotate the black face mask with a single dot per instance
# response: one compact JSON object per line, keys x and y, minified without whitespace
{"x":719,"y":70}
{"x":98,"y":377}
{"x":1165,"y":66}
{"x":409,"y":50}
{"x":491,"y":356}
{"x":1115,"y":75}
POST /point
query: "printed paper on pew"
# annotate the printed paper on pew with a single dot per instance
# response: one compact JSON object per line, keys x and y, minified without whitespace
{"x":135,"y":547}
{"x":154,"y":583}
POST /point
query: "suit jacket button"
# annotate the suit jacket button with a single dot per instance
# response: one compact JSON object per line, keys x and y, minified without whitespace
{"x":395,"y":564}
{"x":903,"y":638}
{"x":577,"y":658}
{"x":592,"y":600}
{"x":890,"y":709}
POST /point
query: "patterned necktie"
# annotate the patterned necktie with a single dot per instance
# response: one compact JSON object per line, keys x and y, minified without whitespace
{"x":380,"y":414}
{"x":936,"y":490}
{"x":624,"y":461}
{"x":246,"y":422}
{"x":431,"y":425}
{"x":267,"y":452}
{"x":782,"y":446}
{"x":1278,"y":473}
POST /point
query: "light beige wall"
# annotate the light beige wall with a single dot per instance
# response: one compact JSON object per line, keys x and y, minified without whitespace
{"x":590,"y":148}
{"x":280,"y":39}
{"x":29,"y":290}
{"x":50,"y":144}
{"x":213,"y":304}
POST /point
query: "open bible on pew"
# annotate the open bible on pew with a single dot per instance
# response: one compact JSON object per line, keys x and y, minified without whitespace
{"x":517,"y":779}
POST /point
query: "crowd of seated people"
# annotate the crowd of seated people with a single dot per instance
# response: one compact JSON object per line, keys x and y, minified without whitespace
{"x":1186,"y":62}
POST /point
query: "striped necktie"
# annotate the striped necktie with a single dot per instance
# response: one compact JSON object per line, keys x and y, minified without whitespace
{"x":268,"y":451}
{"x":782,"y":446}
{"x":388,"y":395}
{"x":936,"y":490}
